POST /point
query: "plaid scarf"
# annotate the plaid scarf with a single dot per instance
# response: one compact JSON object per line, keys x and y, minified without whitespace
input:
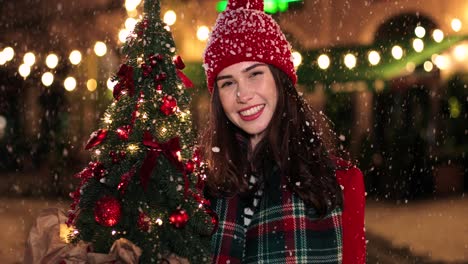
{"x":283,"y":230}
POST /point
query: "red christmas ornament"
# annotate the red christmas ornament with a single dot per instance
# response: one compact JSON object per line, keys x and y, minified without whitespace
{"x":107,"y":211}
{"x":96,"y":138}
{"x":189,"y":166}
{"x":179,"y":218}
{"x":169,"y":105}
{"x":160,"y":77}
{"x":153,"y":60}
{"x":159,"y":88}
{"x":179,"y":63}
{"x":117,"y":156}
{"x":124,"y":131}
{"x":143,"y":222}
{"x":125,"y":180}
{"x":159,"y":57}
{"x":145,"y":23}
{"x":147,"y":69}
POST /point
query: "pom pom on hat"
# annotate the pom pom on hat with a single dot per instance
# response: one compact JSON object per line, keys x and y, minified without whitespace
{"x":245,"y":33}
{"x":248,"y":4}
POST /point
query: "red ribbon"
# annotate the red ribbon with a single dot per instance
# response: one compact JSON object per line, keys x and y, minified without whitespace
{"x":169,"y":149}
{"x":185,"y":80}
{"x":125,"y":76}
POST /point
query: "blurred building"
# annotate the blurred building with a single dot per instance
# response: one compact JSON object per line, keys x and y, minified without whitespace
{"x":407,"y":128}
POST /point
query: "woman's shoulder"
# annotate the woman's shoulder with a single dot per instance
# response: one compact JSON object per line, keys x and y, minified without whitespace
{"x":348,"y":174}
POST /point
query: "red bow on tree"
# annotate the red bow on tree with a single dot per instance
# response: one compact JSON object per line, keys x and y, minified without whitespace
{"x":125,"y":78}
{"x":169,"y":149}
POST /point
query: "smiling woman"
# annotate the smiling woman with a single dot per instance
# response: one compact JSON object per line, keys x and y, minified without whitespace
{"x":284,"y":192}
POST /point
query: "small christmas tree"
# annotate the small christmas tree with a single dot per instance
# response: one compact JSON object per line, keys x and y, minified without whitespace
{"x":145,"y":180}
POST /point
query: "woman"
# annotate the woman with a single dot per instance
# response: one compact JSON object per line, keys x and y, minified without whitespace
{"x":281,"y":189}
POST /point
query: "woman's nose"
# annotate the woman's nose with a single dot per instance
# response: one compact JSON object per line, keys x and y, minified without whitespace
{"x":244,"y":93}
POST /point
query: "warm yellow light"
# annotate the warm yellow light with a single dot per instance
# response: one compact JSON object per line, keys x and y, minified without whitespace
{"x":442,"y":62}
{"x":131,"y":5}
{"x":428,"y":66}
{"x":70,"y":84}
{"x":64,"y":232}
{"x":9,"y":53}
{"x":100,"y":48}
{"x":75,"y":57}
{"x":3,"y":59}
{"x":456,"y":24}
{"x":203,"y":33}
{"x":297,"y":58}
{"x":410,"y":66}
{"x":418,"y":45}
{"x":397,"y":52}
{"x":170,"y":18}
{"x":111,"y":84}
{"x":91,"y":84}
{"x":420,"y":32}
{"x":438,"y":35}
{"x":47,"y":78}
{"x":123,"y":34}
{"x":350,"y":60}
{"x":29,"y":59}
{"x":323,"y":61}
{"x":130,"y":23}
{"x":52,"y":61}
{"x":24,"y":70}
{"x":132,"y":148}
{"x":461,"y":52}
{"x":374,"y":57}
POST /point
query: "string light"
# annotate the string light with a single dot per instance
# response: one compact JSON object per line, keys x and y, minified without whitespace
{"x":24,"y":70}
{"x":203,"y":33}
{"x":107,"y":119}
{"x":3,"y":59}
{"x":47,"y":78}
{"x":420,"y":32}
{"x":460,"y":52}
{"x":9,"y":53}
{"x":75,"y":57}
{"x":297,"y":58}
{"x":438,"y":35}
{"x":397,"y":52}
{"x":130,"y":23}
{"x":132,"y":148}
{"x":170,"y":18}
{"x":442,"y":62}
{"x":418,"y":45}
{"x":323,"y":61}
{"x":29,"y":59}
{"x":91,"y":84}
{"x":70,"y":84}
{"x":350,"y":60}
{"x":374,"y":57}
{"x":123,"y":34}
{"x":100,"y":48}
{"x":456,"y":24}
{"x":52,"y":61}
{"x":428,"y":66}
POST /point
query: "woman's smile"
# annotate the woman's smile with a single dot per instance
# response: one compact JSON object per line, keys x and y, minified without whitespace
{"x":251,"y":113}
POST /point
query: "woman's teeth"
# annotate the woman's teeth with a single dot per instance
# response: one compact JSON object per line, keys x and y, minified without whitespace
{"x":252,"y":110}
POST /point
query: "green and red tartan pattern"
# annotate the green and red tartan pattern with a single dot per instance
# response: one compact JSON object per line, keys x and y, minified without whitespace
{"x":283,"y":230}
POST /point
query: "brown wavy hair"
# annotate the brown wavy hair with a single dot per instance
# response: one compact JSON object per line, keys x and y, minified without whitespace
{"x":299,"y":140}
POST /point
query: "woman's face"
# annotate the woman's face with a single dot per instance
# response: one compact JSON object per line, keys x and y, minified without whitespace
{"x":248,"y":94}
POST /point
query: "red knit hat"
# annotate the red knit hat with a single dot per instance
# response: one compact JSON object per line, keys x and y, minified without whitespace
{"x":245,"y":33}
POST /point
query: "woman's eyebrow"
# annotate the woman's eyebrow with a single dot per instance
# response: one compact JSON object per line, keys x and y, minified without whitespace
{"x":253,"y":66}
{"x":244,"y":70}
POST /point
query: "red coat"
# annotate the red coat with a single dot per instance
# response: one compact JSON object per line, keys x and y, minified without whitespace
{"x":354,"y":241}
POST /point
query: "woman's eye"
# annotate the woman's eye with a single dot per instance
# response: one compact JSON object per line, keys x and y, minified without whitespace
{"x":226,"y":84}
{"x":256,"y":73}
